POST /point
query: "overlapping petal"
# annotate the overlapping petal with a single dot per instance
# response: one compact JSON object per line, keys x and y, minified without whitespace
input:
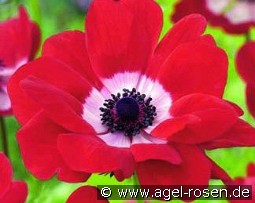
{"x":61,"y":107}
{"x":144,"y":152}
{"x":10,"y":191}
{"x":38,"y":145}
{"x":239,"y":135}
{"x":189,"y":172}
{"x":208,"y":112}
{"x":47,"y":69}
{"x":75,"y":55}
{"x":88,"y":154}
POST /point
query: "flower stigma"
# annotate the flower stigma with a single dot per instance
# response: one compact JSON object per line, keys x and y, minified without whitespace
{"x":129,"y":112}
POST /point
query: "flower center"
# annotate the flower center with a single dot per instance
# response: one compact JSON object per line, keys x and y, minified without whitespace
{"x":127,"y":109}
{"x":128,"y":112}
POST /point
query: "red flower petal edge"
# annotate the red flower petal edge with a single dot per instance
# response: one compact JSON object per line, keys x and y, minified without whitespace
{"x":245,"y":63}
{"x":85,"y":194}
{"x":10,"y":191}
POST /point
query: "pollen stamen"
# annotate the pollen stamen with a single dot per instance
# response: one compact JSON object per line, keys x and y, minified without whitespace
{"x":129,"y":112}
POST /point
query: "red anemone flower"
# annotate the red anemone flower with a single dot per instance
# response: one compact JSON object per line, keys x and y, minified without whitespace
{"x":86,"y":193}
{"x":245,"y":62}
{"x":249,"y":180}
{"x":19,"y":40}
{"x":234,"y":16}
{"x":10,"y":191}
{"x":114,"y":100}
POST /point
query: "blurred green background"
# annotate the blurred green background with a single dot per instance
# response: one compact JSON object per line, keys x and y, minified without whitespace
{"x":55,"y":16}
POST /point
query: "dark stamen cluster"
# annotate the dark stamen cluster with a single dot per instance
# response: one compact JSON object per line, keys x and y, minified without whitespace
{"x":128,"y":112}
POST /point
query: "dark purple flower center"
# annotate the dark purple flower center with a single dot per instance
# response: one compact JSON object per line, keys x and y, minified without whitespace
{"x":127,"y":109}
{"x":128,"y":112}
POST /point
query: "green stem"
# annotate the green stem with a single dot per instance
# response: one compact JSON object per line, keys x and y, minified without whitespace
{"x":137,"y":183}
{"x":4,"y":136}
{"x":248,"y":36}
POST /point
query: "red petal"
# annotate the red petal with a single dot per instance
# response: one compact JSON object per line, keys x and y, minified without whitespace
{"x":70,"y":176}
{"x":219,"y":173}
{"x":27,"y":36}
{"x":185,"y":7}
{"x":238,"y":109}
{"x":38,"y":144}
{"x":188,"y":29}
{"x":251,"y":170}
{"x":85,"y":194}
{"x":51,"y":71}
{"x":63,"y":48}
{"x":173,"y":125}
{"x":198,"y":102}
{"x":250,"y":98}
{"x":241,"y":134}
{"x":207,"y":39}
{"x":5,"y":174}
{"x":16,"y":194}
{"x":216,"y":117}
{"x":121,"y":35}
{"x":163,"y":152}
{"x":245,"y":61}
{"x":60,"y":106}
{"x":90,"y":154}
{"x":195,"y":169}
{"x":194,"y":68}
